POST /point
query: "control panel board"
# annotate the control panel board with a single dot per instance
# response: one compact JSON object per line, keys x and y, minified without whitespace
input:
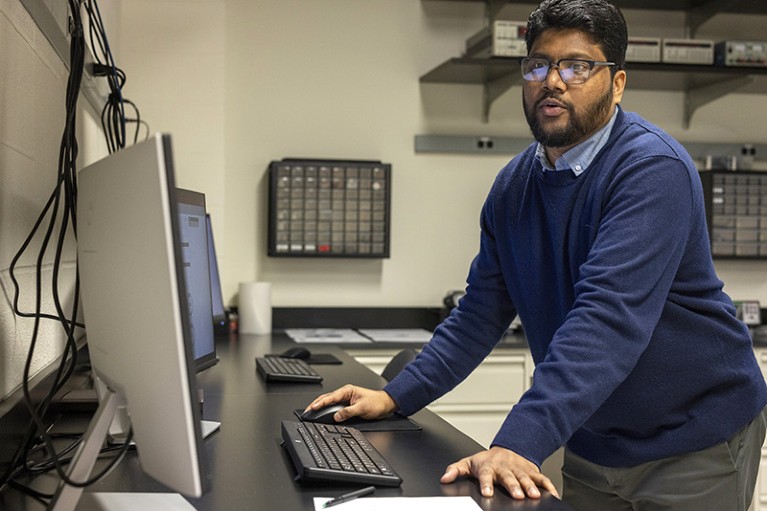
{"x":329,"y":208}
{"x":736,"y":210}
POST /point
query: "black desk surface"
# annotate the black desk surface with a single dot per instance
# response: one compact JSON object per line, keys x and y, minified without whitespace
{"x":247,"y":467}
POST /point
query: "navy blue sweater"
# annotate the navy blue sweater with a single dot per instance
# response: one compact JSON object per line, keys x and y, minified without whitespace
{"x":639,"y":355}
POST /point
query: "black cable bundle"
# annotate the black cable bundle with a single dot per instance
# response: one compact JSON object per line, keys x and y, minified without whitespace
{"x":60,"y":214}
{"x":60,"y":206}
{"x":113,"y":119}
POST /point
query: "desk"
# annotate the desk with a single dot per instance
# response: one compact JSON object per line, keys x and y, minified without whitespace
{"x":249,"y":470}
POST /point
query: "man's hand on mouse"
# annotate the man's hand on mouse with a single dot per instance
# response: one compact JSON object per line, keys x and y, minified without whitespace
{"x":364,"y":403}
{"x":504,"y":467}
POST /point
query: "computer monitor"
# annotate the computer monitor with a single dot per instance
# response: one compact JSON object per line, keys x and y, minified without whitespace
{"x":195,"y":254}
{"x":133,"y":291}
{"x":220,"y":320}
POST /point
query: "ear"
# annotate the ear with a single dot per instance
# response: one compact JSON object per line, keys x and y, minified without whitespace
{"x":619,"y":84}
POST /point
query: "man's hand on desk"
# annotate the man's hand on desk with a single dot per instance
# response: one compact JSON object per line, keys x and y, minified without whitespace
{"x":362,"y":402}
{"x":497,"y":465}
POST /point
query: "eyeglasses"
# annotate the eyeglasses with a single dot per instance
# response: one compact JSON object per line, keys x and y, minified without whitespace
{"x":572,"y":71}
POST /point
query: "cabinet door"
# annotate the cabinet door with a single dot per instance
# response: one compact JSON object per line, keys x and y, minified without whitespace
{"x":500,"y":379}
{"x":760,"y":492}
{"x":373,"y":359}
{"x":479,"y":405}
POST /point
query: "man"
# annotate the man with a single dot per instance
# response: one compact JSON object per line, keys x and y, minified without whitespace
{"x":596,"y":237}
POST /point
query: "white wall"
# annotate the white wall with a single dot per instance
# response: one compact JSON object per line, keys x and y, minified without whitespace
{"x":32,"y":94}
{"x":242,"y":82}
{"x":174,"y":56}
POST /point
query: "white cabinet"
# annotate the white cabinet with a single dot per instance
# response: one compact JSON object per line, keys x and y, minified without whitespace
{"x":479,"y":405}
{"x":374,"y":359}
{"x":760,"y":492}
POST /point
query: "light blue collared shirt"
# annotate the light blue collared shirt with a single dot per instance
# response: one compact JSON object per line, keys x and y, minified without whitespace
{"x":579,"y":157}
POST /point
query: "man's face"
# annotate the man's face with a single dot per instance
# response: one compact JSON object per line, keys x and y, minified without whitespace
{"x":562,"y":115}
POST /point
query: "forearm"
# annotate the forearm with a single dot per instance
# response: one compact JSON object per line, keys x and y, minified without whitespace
{"x":463,"y":340}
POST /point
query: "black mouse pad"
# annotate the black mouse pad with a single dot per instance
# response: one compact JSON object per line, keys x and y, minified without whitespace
{"x":323,"y":359}
{"x":395,"y":422}
{"x":316,"y":359}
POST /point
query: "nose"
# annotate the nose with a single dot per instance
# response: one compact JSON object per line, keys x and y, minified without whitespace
{"x":553,"y":79}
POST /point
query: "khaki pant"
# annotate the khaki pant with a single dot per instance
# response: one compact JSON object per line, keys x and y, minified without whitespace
{"x":720,"y":478}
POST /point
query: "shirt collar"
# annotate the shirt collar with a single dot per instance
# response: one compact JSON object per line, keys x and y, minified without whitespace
{"x":579,"y":157}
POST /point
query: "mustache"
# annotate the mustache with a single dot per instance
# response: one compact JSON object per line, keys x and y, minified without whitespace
{"x":555,"y":97}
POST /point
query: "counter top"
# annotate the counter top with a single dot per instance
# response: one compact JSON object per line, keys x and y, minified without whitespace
{"x":247,"y":467}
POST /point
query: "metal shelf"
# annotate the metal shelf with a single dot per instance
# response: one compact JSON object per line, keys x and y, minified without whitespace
{"x":698,"y":11}
{"x":701,"y":84}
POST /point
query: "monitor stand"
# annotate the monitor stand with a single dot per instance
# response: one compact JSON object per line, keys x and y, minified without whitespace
{"x":131,"y":501}
{"x":67,"y":497}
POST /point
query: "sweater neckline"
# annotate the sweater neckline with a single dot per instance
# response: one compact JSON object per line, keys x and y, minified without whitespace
{"x":551,"y":178}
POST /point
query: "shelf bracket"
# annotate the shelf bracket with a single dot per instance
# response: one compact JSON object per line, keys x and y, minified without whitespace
{"x":493,"y":90}
{"x":697,"y":16}
{"x":492,"y":8}
{"x":697,"y":97}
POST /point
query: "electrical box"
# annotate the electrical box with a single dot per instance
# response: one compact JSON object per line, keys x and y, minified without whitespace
{"x":741,"y":53}
{"x":643,"y":49}
{"x":688,"y":51}
{"x":502,"y":39}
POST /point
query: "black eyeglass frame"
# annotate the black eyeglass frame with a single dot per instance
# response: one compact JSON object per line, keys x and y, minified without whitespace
{"x":591,"y":63}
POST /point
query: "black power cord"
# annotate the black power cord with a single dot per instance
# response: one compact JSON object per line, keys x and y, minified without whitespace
{"x":113,"y":116}
{"x":55,"y":223}
{"x":59,"y":212}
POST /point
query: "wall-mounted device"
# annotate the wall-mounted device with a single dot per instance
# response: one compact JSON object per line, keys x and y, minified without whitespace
{"x":329,"y":208}
{"x":735,"y":206}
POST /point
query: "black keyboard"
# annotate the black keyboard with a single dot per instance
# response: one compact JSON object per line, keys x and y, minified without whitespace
{"x":286,"y":369}
{"x":325,"y":452}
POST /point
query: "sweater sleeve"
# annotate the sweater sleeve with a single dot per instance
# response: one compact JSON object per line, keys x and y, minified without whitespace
{"x":466,"y":337}
{"x":620,"y":293}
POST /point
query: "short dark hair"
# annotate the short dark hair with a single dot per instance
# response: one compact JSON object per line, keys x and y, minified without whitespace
{"x":599,"y":18}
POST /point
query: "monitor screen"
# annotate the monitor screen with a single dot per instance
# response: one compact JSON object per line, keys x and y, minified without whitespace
{"x":195,"y":256}
{"x":220,"y":321}
{"x":135,"y":306}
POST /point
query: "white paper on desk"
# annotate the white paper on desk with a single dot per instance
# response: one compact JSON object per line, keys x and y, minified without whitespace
{"x":417,"y":335}
{"x":402,"y":504}
{"x":326,"y":335}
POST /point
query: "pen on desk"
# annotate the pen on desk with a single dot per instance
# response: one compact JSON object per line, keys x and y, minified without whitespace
{"x":350,"y":496}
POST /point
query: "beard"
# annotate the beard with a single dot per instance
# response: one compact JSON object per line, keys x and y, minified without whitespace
{"x":581,"y":123}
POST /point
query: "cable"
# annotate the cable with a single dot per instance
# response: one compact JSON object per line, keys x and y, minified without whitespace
{"x":57,"y":463}
{"x":47,"y":466}
{"x":59,"y":211}
{"x":57,"y":220}
{"x":138,"y":120}
{"x":113,"y":118}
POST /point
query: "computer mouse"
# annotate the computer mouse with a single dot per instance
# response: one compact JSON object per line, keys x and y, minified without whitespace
{"x":296,"y":352}
{"x":323,"y":415}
